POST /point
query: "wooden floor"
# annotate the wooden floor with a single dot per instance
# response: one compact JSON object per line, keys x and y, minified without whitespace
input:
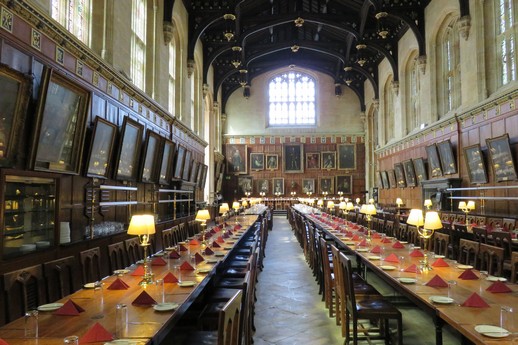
{"x":290,"y":311}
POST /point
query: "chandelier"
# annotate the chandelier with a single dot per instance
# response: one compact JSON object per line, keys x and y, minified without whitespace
{"x":229,"y":26}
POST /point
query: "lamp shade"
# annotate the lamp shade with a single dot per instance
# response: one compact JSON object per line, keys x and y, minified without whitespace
{"x":349,"y":206}
{"x":320,"y":202}
{"x":369,"y":209}
{"x":432,"y":221}
{"x":358,"y":200}
{"x":371,"y":201}
{"x":330,"y":205}
{"x":428,"y":203}
{"x":143,"y":224}
{"x":399,"y":202}
{"x":202,"y":215}
{"x":342,"y":205}
{"x":470,"y":205}
{"x":415,"y":217}
{"x":462,"y":205}
{"x":346,"y":200}
{"x":244,"y":203}
{"x":236,"y":205}
{"x":223,"y":208}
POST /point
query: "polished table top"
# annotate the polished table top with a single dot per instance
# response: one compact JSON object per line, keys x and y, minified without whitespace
{"x":464,"y":319}
{"x":144,"y":323}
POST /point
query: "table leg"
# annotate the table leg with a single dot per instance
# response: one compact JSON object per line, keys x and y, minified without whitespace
{"x":438,"y":329}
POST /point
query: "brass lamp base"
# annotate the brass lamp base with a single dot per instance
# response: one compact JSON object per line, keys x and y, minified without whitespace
{"x":148,"y":277}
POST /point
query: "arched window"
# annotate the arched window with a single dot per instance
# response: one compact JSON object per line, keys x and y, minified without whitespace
{"x":388,"y":110}
{"x":138,"y":43}
{"x":74,"y":15}
{"x":506,"y":41}
{"x":412,"y":94}
{"x":172,"y":77}
{"x":292,"y":100}
{"x":448,"y":68}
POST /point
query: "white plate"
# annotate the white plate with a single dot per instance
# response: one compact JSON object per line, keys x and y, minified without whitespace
{"x":350,"y":243}
{"x":187,"y":283}
{"x":159,"y":254}
{"x":89,"y":285}
{"x":407,"y":280}
{"x":219,"y":254}
{"x":464,"y":267}
{"x":50,"y":307}
{"x":204,"y":270}
{"x":124,"y":271}
{"x":231,"y":242}
{"x":182,"y":242}
{"x":441,"y":299}
{"x":496,"y":279}
{"x":122,"y":342}
{"x":140,"y":262}
{"x":403,"y":242}
{"x":492,"y":331}
{"x":227,"y":248}
{"x":165,"y":306}
{"x":387,"y":267}
{"x":374,"y":257}
{"x":362,"y":249}
{"x":439,"y":256}
{"x":211,"y":261}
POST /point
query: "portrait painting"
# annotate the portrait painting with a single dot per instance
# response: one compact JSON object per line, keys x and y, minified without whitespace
{"x":312,"y":160}
{"x":385,"y":179}
{"x":475,"y":165}
{"x":329,"y":160}
{"x":236,"y":156}
{"x":187,"y":165}
{"x":179,"y":161}
{"x":392,"y":178}
{"x":101,"y":148}
{"x":262,"y":186}
{"x":151,"y":155}
{"x":60,"y":125}
{"x":400,"y":175}
{"x":379,"y":180}
{"x":278,"y":186}
{"x":272,"y":161}
{"x":344,"y":184}
{"x":433,"y":161}
{"x":346,"y":156}
{"x":501,"y":158}
{"x":308,"y":186}
{"x":410,"y":178}
{"x":256,"y":161}
{"x":245,"y":184}
{"x":293,"y":158}
{"x":420,"y":170}
{"x":129,"y":149}
{"x":326,"y":185}
{"x":448,"y":163}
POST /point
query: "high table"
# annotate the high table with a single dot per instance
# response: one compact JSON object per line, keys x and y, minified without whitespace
{"x":145,"y":325}
{"x":464,"y":319}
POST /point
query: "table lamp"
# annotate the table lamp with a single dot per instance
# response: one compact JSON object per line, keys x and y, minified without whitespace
{"x":342,"y":206}
{"x":202,"y":216}
{"x":416,"y":218}
{"x":358,"y":201}
{"x":428,"y":204}
{"x":467,"y":208}
{"x":236,"y":206}
{"x":331,"y":206}
{"x":432,"y":222}
{"x":368,"y":210}
{"x":244,"y":203}
{"x":371,"y":201}
{"x":349,"y":206}
{"x":320,"y":203}
{"x":143,"y":226}
{"x":223,"y":209}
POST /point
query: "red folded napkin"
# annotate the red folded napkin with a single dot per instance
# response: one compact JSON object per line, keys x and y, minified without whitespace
{"x":475,"y":301}
{"x":398,"y":245}
{"x":194,"y":242}
{"x":3,"y":342}
{"x":440,"y":263}
{"x":417,"y":253}
{"x":362,"y":243}
{"x":96,"y":334}
{"x":498,"y":287}
{"x":437,"y":282}
{"x":237,"y":227}
{"x":118,"y":284}
{"x":386,"y":240}
{"x":215,"y":244}
{"x":392,"y":258}
{"x":468,"y":275}
{"x":158,"y":262}
{"x":220,"y":239}
{"x":356,"y":237}
{"x":183,"y":248}
{"x":198,"y":258}
{"x":144,"y":299}
{"x":226,"y":235}
{"x":186,"y":267}
{"x":174,"y":255}
{"x":170,"y":278}
{"x":376,"y":235}
{"x":69,"y":308}
{"x":139,"y":271}
{"x":213,"y":231}
{"x":230,"y":233}
{"x":208,"y":251}
{"x":412,"y":268}
{"x":376,"y":250}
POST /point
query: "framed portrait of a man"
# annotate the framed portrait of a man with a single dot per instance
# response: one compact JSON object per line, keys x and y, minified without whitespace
{"x":385,"y":179}
{"x":293,"y":157}
{"x":272,"y":161}
{"x":344,"y":184}
{"x":262,"y":186}
{"x":236,"y":156}
{"x":312,"y":160}
{"x":408,"y":167}
{"x":400,"y":175}
{"x":346,"y":156}
{"x":256,"y":161}
{"x":278,"y":186}
{"x":501,"y":158}
{"x":475,"y":163}
{"x":448,"y":163}
{"x":420,"y":170}
{"x":245,"y":184}
{"x":329,"y":160}
{"x":326,"y":185}
{"x":308,"y":186}
{"x":433,"y":161}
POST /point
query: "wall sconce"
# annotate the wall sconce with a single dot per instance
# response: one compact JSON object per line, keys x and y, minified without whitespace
{"x":361,"y":58}
{"x":467,"y":208}
{"x":299,"y":22}
{"x":236,"y":56}
{"x":428,"y":204}
{"x":382,"y":28}
{"x":242,"y":77}
{"x":229,"y":26}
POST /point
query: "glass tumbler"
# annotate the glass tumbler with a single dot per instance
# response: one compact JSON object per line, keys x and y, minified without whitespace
{"x":121,"y":320}
{"x":72,"y":340}
{"x":31,"y":324}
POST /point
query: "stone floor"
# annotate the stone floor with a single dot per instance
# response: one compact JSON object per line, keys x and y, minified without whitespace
{"x":289,"y":309}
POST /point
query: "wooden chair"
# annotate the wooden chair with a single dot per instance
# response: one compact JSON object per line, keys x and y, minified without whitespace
{"x":62,"y":277}
{"x":459,"y":231}
{"x":514,"y":266}
{"x":133,"y":250}
{"x":481,"y":221}
{"x":167,"y":238}
{"x":504,"y":240}
{"x":412,"y":236}
{"x":329,"y":279}
{"x":509,"y":224}
{"x":468,"y":252}
{"x":176,"y":234}
{"x":367,"y":309}
{"x":184,"y":233}
{"x":90,"y":260}
{"x":480,"y":234}
{"x":401,"y":232}
{"x":24,"y":290}
{"x":445,"y":217}
{"x":459,"y":218}
{"x":494,"y":223}
{"x":389,"y":228}
{"x":471,"y":219}
{"x":117,"y":256}
{"x":491,"y":259}
{"x":440,"y":243}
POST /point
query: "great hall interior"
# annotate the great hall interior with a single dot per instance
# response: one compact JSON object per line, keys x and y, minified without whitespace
{"x":313,"y":122}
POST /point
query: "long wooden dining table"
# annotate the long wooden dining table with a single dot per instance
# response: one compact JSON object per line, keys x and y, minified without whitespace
{"x":146,"y":324}
{"x":502,"y":307}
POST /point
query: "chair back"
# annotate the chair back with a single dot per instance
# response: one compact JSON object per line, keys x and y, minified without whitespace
{"x":491,"y":259}
{"x":440,"y":243}
{"x":480,"y":234}
{"x":389,"y":228}
{"x":503,"y":240}
{"x":468,"y":252}
{"x":90,"y":260}
{"x":481,"y":220}
{"x":133,"y":250}
{"x":117,"y":256}
{"x":509,"y":224}
{"x":401,"y":232}
{"x":167,"y":238}
{"x":514,"y":266}
{"x":229,"y":320}
{"x":184,"y":233}
{"x":348,"y":285}
{"x":62,"y":277}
